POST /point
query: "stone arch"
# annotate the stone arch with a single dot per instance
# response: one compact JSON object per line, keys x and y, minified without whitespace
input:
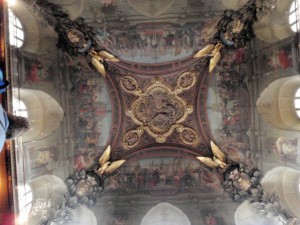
{"x":44,"y":114}
{"x":39,"y":38}
{"x":275,"y":26}
{"x":49,"y":191}
{"x":276,"y":103}
{"x":246,"y":215}
{"x":284,"y":182}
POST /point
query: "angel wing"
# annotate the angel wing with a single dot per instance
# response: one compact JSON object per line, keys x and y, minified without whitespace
{"x":217,"y":152}
{"x":105,"y":156}
{"x":204,"y":51}
{"x":99,"y":66}
{"x":214,"y":61}
{"x":108,"y":56}
{"x":115,"y":165}
{"x":208,"y":161}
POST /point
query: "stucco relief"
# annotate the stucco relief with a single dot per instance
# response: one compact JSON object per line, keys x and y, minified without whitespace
{"x":159,"y":110}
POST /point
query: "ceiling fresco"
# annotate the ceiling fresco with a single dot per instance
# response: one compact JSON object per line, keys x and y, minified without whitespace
{"x":123,"y":28}
{"x":164,"y":176}
{"x":152,"y":8}
{"x":156,"y":42}
{"x":228,"y":103}
{"x":157,"y":81}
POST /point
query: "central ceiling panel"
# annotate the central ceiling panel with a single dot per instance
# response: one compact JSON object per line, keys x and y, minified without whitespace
{"x":166,"y":109}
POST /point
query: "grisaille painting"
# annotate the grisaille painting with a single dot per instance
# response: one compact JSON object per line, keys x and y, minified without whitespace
{"x":139,"y":112}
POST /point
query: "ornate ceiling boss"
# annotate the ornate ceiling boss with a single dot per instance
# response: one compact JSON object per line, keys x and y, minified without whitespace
{"x":159,"y":110}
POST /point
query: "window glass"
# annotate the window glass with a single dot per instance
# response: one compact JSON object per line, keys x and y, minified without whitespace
{"x":16,"y":34}
{"x":298,"y":93}
{"x":25,"y":202}
{"x":19,"y":108}
{"x":294,"y":16}
{"x":297,"y":102}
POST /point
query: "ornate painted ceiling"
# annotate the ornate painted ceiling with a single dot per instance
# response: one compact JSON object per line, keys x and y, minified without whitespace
{"x":157,"y":106}
{"x":156,"y":64}
{"x":158,"y":91}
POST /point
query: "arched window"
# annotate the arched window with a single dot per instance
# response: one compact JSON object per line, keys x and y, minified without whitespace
{"x":165,"y":213}
{"x":279,"y":103}
{"x":297,"y":102}
{"x":294,"y":16}
{"x":44,"y":113}
{"x":19,"y":108}
{"x":25,"y":202}
{"x":283,"y":182}
{"x":16,"y":34}
{"x":280,"y":22}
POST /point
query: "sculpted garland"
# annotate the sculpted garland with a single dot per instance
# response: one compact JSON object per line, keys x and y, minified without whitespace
{"x":242,"y":182}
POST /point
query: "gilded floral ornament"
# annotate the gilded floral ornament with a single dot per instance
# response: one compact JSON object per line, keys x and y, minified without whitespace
{"x":132,"y":138}
{"x":130,"y":85}
{"x":188,"y":136}
{"x":159,"y":110}
{"x":186,"y":81}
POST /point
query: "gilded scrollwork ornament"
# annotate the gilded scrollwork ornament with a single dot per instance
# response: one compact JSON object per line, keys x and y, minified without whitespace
{"x":130,"y":85}
{"x":189,"y":136}
{"x":185,"y":81}
{"x":159,"y":110}
{"x":132,"y":138}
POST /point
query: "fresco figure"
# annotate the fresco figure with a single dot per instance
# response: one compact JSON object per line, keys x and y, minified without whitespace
{"x":210,"y":220}
{"x":41,"y":157}
{"x":286,"y":148}
{"x":85,"y":158}
{"x":155,"y":175}
{"x":211,"y":180}
{"x":281,"y":59}
{"x":37,"y":73}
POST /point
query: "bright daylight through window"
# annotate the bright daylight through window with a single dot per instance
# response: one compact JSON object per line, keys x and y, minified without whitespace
{"x":19,"y":108}
{"x":25,"y":202}
{"x":294,"y":16}
{"x":16,"y":34}
{"x":297,"y":102}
